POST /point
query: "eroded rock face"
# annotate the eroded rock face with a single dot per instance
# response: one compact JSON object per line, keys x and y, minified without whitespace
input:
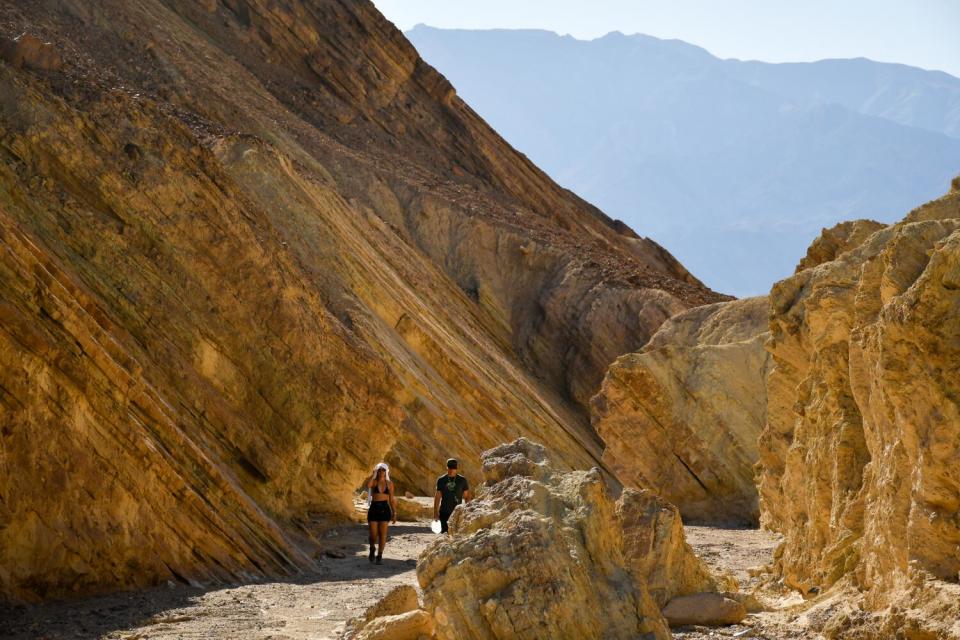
{"x":541,"y":553}
{"x":682,"y":416}
{"x":414,"y":509}
{"x":839,"y":239}
{"x":655,"y":548}
{"x":396,"y":616}
{"x":860,"y":459}
{"x":248,"y":249}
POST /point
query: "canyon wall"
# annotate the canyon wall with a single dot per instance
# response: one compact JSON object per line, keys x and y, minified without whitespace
{"x":250,"y":248}
{"x":682,"y":416}
{"x":860,"y":457}
{"x":848,"y":375}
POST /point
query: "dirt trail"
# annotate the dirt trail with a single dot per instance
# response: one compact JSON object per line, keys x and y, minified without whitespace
{"x":318,"y":605}
{"x":305,"y":607}
{"x":738,"y":551}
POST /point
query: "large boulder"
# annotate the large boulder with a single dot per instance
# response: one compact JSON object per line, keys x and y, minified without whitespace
{"x":655,"y":547}
{"x":396,"y":616}
{"x":682,"y":416}
{"x":710,"y":609}
{"x":414,"y":509}
{"x":545,"y":554}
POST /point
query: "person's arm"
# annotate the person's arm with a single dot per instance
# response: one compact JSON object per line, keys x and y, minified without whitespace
{"x":436,"y":505}
{"x":372,"y":481}
{"x":467,"y":496}
{"x":393,"y":503}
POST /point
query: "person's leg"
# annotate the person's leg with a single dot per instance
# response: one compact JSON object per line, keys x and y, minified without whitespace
{"x":383,"y":539}
{"x":373,"y":538}
{"x":444,"y":516}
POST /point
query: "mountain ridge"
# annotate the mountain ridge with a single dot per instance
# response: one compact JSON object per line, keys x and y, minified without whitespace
{"x":678,"y":143}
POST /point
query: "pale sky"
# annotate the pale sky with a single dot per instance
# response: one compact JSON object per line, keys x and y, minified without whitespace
{"x":921,"y":33}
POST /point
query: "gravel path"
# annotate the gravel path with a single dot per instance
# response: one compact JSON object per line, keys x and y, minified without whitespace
{"x":310,"y":607}
{"x":317,"y":606}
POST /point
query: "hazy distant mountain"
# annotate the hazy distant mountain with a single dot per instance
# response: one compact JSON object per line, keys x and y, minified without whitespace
{"x":733,"y":166}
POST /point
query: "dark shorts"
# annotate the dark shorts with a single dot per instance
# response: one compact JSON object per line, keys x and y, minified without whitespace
{"x":379,"y":512}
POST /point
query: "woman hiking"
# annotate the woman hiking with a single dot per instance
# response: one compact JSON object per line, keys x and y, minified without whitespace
{"x":382,"y":508}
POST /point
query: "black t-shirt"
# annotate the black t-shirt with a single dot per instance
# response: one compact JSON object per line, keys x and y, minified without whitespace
{"x":451,"y":491}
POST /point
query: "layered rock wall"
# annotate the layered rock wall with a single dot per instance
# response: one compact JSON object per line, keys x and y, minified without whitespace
{"x":682,"y":416}
{"x":860,"y":459}
{"x":249,"y":249}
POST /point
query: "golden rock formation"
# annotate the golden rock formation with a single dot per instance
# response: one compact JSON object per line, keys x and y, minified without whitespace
{"x":860,"y":458}
{"x":682,"y":416}
{"x":396,"y":616}
{"x":545,"y":554}
{"x":249,"y":248}
{"x":837,"y":240}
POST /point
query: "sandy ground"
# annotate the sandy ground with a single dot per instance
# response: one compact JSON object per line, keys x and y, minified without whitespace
{"x":305,"y":607}
{"x":737,"y":551}
{"x":318,"y":605}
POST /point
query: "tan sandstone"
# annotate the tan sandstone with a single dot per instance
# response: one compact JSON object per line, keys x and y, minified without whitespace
{"x":413,"y":625}
{"x":682,"y":416}
{"x":414,"y":509}
{"x":542,"y":553}
{"x":396,"y":616}
{"x":860,"y":459}
{"x":711,"y":609}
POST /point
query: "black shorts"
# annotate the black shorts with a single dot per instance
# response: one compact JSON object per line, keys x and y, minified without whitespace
{"x":379,"y":511}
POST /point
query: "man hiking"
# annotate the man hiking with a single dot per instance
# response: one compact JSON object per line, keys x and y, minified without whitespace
{"x":452,"y":489}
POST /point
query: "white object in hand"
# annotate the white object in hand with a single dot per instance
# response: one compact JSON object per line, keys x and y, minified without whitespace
{"x":435,"y":526}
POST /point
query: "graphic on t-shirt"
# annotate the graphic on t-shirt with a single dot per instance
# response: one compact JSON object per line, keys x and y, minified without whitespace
{"x":451,"y":491}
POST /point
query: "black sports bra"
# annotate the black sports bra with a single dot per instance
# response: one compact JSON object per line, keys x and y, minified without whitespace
{"x":375,"y":490}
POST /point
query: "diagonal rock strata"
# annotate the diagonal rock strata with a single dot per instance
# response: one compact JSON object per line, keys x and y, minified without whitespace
{"x":249,"y":249}
{"x":682,"y":416}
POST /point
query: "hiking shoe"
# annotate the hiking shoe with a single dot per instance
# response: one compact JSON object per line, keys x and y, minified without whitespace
{"x":379,"y":560}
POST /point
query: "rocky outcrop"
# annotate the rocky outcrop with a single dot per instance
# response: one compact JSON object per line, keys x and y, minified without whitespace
{"x":248,"y":249}
{"x":682,"y":416}
{"x":859,"y":458}
{"x":542,"y":553}
{"x":655,"y":548}
{"x":839,"y":239}
{"x":396,"y":616}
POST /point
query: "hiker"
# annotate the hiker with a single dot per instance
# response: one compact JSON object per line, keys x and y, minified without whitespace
{"x":452,"y":489}
{"x":382,"y":508}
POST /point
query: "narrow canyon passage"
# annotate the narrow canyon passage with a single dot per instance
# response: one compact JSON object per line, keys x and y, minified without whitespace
{"x":318,"y":605}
